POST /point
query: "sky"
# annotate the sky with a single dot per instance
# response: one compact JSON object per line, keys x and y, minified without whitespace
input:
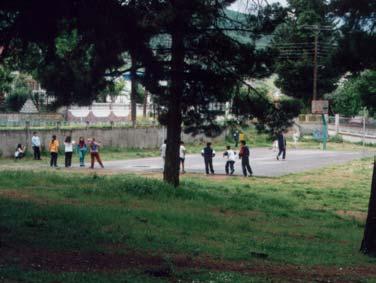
{"x":241,"y":5}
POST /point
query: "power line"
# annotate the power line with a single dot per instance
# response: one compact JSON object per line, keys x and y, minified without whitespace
{"x":316,"y":30}
{"x":316,"y":50}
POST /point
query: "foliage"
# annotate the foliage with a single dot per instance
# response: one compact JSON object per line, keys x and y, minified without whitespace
{"x":355,"y":93}
{"x":336,"y":139}
{"x":68,"y":54}
{"x":203,"y":65}
{"x":19,"y":93}
{"x":358,"y":34}
{"x":214,"y":64}
{"x":366,"y":86}
{"x":113,"y":89}
{"x":198,"y":56}
{"x":345,"y":100}
{"x":5,"y":80}
{"x":15,"y":100}
{"x":70,"y":74}
{"x":272,"y":116}
{"x":293,"y":43}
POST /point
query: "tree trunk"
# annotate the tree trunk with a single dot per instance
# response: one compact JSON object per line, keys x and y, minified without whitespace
{"x":174,"y":115}
{"x":369,"y":239}
{"x":133,"y":91}
{"x":145,"y":104}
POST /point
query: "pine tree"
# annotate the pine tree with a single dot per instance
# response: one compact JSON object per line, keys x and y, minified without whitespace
{"x":190,"y":51}
{"x":203,"y":64}
{"x":307,"y":27}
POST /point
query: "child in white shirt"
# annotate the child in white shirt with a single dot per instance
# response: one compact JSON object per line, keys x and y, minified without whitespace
{"x":231,"y":157}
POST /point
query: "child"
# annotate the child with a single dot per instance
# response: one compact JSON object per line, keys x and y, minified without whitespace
{"x":35,"y":143}
{"x":295,"y":138}
{"x":54,"y":149}
{"x":281,"y":146}
{"x":275,"y":145}
{"x":208,"y":153}
{"x":20,"y":152}
{"x":231,"y":156}
{"x":163,"y":151}
{"x":244,"y":155}
{"x":68,"y":144}
{"x":94,"y":153}
{"x":82,"y":149}
{"x":182,"y":152}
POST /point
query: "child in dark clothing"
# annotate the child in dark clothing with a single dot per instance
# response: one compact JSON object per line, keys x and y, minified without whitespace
{"x":244,"y":155}
{"x":208,"y":153}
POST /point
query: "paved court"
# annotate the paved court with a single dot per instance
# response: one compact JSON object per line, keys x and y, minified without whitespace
{"x":263,"y":162}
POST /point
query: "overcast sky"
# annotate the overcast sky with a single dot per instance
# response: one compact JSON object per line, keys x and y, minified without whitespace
{"x":241,"y":5}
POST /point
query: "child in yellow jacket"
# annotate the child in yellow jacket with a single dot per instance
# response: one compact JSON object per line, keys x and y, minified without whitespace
{"x":54,"y":149}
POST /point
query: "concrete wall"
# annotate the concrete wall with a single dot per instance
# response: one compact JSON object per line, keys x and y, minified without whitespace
{"x":118,"y":137}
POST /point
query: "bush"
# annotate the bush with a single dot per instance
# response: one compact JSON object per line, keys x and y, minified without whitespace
{"x":18,"y":94}
{"x":15,"y":101}
{"x":336,"y":139}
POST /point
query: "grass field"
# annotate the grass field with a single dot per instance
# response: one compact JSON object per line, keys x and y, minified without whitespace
{"x":57,"y":227}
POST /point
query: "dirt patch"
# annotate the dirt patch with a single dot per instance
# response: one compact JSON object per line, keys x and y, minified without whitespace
{"x":17,"y":195}
{"x":357,"y":215}
{"x":78,"y":261}
{"x":218,"y":177}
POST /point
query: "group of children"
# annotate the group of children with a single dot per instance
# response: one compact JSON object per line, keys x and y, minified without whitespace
{"x":208,"y":153}
{"x":82,"y":147}
{"x":92,"y":146}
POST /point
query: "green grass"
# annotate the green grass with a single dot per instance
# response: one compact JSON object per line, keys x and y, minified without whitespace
{"x":295,"y":220}
{"x":107,"y":153}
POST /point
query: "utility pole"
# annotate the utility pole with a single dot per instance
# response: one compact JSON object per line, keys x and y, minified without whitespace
{"x":316,"y":30}
{"x":315,"y":61}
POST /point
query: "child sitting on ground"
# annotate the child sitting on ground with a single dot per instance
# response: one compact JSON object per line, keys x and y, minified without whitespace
{"x":20,"y":152}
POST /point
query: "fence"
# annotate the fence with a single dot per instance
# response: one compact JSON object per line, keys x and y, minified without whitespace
{"x":45,"y":124}
{"x":354,"y":129}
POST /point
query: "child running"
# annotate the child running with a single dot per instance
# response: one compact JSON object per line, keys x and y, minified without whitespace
{"x":54,"y":149}
{"x":94,"y":153}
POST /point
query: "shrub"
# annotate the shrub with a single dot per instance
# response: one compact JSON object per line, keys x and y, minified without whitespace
{"x":336,"y":139}
{"x":15,"y":101}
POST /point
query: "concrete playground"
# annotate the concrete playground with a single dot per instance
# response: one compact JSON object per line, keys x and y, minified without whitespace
{"x":263,"y":162}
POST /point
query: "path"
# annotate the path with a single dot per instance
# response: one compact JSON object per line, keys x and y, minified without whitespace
{"x":263,"y":162}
